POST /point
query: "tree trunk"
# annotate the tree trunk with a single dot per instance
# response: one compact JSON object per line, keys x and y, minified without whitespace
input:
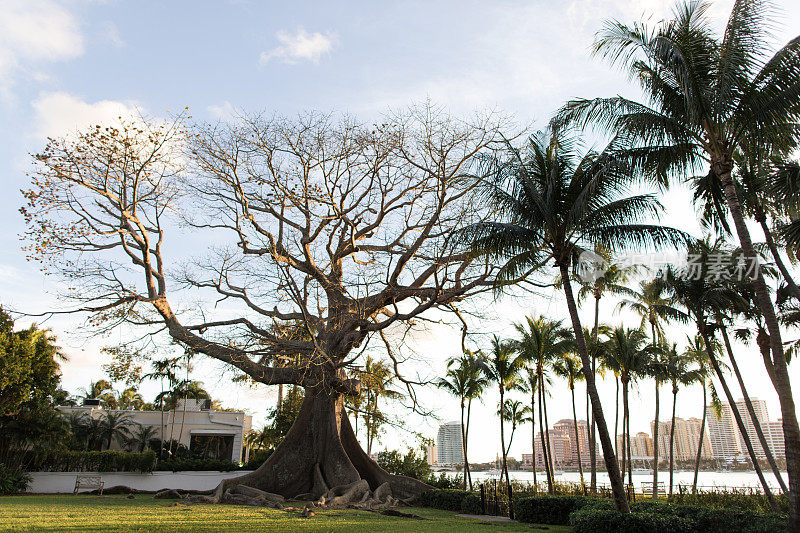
{"x":622,"y":454}
{"x":547,"y":472}
{"x":616,"y":415}
{"x":700,"y":442}
{"x":466,"y":441}
{"x":280,"y":398}
{"x":672,"y":438}
{"x":320,"y":452}
{"x":781,"y":382}
{"x":736,"y":415}
{"x":463,"y":445}
{"x":533,"y":438}
{"x":503,"y":469}
{"x":625,"y":449}
{"x":778,"y":261}
{"x":752,"y":412}
{"x":550,"y":460}
{"x":620,"y":500}
{"x":590,"y":416}
{"x":630,"y":457}
{"x":161,"y":446}
{"x":577,"y":435}
{"x":655,"y":446}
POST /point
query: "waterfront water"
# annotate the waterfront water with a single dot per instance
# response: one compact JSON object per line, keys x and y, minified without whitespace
{"x":706,"y":480}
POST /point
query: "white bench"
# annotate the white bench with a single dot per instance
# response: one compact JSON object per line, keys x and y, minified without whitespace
{"x":647,"y":488}
{"x":88,"y":482}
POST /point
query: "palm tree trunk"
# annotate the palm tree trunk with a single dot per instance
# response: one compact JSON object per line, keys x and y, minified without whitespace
{"x":672,"y":438}
{"x":616,"y":414}
{"x":617,"y":488}
{"x":778,"y":260}
{"x":791,"y":430}
{"x":161,"y":445}
{"x":590,"y":416}
{"x":630,"y":456}
{"x":700,"y":441}
{"x":503,"y":470}
{"x":655,"y":446}
{"x":280,"y":398}
{"x":547,"y":472}
{"x":752,"y":412}
{"x":622,"y":455}
{"x":547,"y":434}
{"x":533,"y":438}
{"x":466,"y":441}
{"x":577,"y":436}
{"x":736,"y":415}
{"x":463,"y":445}
{"x":626,"y":451}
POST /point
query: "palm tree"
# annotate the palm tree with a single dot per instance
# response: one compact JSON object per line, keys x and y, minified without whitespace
{"x":696,"y":350}
{"x":140,"y":437}
{"x":611,"y":280}
{"x":569,"y":368}
{"x":502,"y":368}
{"x":630,"y":355}
{"x":513,"y":411}
{"x":130,"y":399}
{"x":678,"y":372}
{"x":162,"y":369}
{"x":702,"y":294}
{"x":530,"y":385}
{"x":465,"y":380}
{"x":376,"y":378}
{"x":100,"y":390}
{"x":114,"y":426}
{"x":706,"y":98}
{"x":654,"y":309}
{"x":553,"y":203}
{"x":540,"y":343}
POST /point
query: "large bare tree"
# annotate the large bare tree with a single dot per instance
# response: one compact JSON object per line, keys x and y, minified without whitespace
{"x":342,"y":230}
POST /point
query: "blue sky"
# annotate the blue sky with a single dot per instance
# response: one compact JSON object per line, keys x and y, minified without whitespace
{"x":65,"y":65}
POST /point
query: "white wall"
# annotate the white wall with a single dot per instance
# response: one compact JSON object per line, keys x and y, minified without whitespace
{"x":64,"y":482}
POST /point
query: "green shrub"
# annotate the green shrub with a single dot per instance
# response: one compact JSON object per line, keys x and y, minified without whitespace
{"x":92,"y":461}
{"x":546,"y":509}
{"x":727,"y":520}
{"x":13,"y":480}
{"x":449,"y":500}
{"x":743,"y":499}
{"x":257,"y":459}
{"x":471,"y":504}
{"x":593,"y":520}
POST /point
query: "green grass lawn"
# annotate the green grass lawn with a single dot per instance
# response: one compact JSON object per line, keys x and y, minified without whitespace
{"x":116,"y":513}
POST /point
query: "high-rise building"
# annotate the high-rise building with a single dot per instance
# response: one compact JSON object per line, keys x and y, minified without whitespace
{"x":449,"y":444}
{"x":430,"y":453}
{"x":641,"y":445}
{"x":760,"y":408}
{"x":773,"y":431}
{"x":686,"y":439}
{"x":563,"y":444}
{"x":724,"y":433}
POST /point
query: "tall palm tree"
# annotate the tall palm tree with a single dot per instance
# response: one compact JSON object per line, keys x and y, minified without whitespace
{"x":553,"y":203}
{"x":530,"y":385}
{"x":376,"y":380}
{"x":517,"y":414}
{"x":696,"y":350}
{"x":706,"y":97}
{"x":140,"y":437}
{"x":654,"y":309}
{"x":701,"y":293}
{"x":569,"y":367}
{"x":610,"y":279}
{"x":679,"y":371}
{"x":162,"y":369}
{"x":100,"y":390}
{"x":540,"y":343}
{"x":465,"y":380}
{"x":130,"y":399}
{"x":503,"y":369}
{"x":630,"y":355}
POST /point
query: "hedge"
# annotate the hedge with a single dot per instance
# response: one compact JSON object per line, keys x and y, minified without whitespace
{"x":195,"y":465}
{"x":724,"y":520}
{"x":92,"y":461}
{"x":547,"y":509}
{"x":593,"y":520}
{"x":471,"y":504}
{"x":447,"y":499}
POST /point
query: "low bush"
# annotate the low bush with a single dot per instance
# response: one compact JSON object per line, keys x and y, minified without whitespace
{"x":92,"y":461}
{"x":195,"y":465}
{"x":257,"y":459}
{"x":593,"y":520}
{"x":471,"y":504}
{"x":13,"y":480}
{"x":547,"y":509}
{"x":746,"y":500}
{"x":448,"y":500}
{"x":726,"y":520}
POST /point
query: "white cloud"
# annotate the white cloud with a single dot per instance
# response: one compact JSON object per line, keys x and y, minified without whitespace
{"x":223,"y":111}
{"x":33,"y":32}
{"x":300,"y":46}
{"x":59,"y":113}
{"x":110,"y":33}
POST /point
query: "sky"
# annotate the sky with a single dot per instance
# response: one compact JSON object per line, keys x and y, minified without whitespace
{"x":66,"y":65}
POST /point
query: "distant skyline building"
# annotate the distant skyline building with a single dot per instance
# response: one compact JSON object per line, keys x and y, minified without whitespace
{"x":687,"y":438}
{"x":449,"y":444}
{"x":723,"y":432}
{"x":430,"y":453}
{"x":760,"y":408}
{"x":563,"y":445}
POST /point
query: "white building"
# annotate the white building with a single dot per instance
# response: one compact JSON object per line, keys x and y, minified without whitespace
{"x":724,"y":432}
{"x":207,"y":432}
{"x":449,"y":444}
